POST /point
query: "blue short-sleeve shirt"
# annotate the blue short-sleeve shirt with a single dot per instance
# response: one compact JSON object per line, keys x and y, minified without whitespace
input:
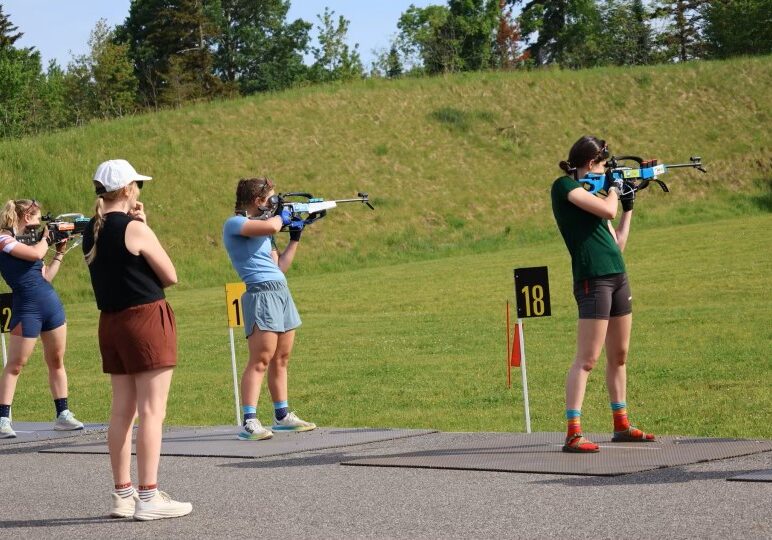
{"x":250,"y":255}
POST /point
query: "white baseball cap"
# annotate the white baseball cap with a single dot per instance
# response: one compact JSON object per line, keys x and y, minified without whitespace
{"x":116,"y":174}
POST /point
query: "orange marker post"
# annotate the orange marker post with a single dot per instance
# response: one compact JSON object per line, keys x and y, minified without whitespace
{"x":509,"y":363}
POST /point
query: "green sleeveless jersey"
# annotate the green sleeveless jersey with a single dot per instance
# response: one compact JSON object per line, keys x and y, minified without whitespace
{"x":593,"y":250}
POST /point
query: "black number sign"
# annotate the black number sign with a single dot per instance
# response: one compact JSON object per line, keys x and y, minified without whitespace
{"x":532,"y":292}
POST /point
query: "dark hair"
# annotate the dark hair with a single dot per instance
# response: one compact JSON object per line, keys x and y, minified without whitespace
{"x":250,"y":189}
{"x":586,"y":149}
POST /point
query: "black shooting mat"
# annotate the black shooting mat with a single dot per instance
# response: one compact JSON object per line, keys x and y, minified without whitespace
{"x":43,"y":431}
{"x":541,"y":453}
{"x":221,"y":441}
{"x":755,"y":476}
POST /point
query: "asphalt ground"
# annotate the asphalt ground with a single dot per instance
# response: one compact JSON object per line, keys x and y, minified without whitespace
{"x":310,"y":495}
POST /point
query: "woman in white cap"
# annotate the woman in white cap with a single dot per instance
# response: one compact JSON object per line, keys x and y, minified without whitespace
{"x":137,"y":335}
{"x":36,"y":311}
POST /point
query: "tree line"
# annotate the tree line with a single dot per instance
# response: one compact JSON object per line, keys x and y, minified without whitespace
{"x":170,"y":52}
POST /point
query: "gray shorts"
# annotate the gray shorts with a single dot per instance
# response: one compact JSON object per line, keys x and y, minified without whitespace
{"x":603,"y":297}
{"x":269,"y":305}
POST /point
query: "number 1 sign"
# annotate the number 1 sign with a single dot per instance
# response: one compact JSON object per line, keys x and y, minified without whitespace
{"x":233,"y":292}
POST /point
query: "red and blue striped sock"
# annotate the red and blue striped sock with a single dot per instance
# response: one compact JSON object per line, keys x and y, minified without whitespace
{"x":619,"y":411}
{"x":573,"y":418}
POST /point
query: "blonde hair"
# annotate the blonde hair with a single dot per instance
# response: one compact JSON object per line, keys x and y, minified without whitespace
{"x":99,"y":215}
{"x":13,"y":211}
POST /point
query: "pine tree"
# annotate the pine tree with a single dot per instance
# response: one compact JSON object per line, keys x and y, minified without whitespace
{"x":641,"y":32}
{"x":682,"y":37}
{"x":169,"y":42}
{"x":626,"y":33}
{"x":393,"y":63}
{"x":8,"y":32}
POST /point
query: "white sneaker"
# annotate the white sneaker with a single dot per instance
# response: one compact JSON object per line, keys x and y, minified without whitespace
{"x":159,"y":507}
{"x":291,"y":422}
{"x":123,"y":507}
{"x":66,"y":421}
{"x":6,"y":431}
{"x":253,"y":430}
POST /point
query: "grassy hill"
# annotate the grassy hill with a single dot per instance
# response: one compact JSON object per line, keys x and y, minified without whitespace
{"x":453,"y":165}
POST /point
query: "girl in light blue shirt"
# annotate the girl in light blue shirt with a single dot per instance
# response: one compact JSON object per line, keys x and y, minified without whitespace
{"x":270,"y":315}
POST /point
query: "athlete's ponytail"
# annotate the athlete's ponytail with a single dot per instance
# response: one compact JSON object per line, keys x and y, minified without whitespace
{"x":99,"y":221}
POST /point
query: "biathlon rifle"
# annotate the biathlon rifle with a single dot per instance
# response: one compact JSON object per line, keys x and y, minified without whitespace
{"x":308,"y":209}
{"x":635,"y":177}
{"x":62,"y":227}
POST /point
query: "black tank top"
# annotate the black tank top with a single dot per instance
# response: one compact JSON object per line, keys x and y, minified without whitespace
{"x":120,"y":279}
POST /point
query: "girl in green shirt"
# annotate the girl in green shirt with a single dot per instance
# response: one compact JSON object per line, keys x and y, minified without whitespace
{"x":601,"y":288}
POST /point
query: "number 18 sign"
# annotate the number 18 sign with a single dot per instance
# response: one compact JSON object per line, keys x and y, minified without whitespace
{"x":532,"y":292}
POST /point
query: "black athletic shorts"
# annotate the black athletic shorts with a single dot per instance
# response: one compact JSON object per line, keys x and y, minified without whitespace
{"x":603,"y":297}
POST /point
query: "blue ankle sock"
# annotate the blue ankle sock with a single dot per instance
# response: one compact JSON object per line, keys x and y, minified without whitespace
{"x":61,"y":405}
{"x":5,"y":411}
{"x":281,"y":409}
{"x":250,"y":411}
{"x":616,"y":405}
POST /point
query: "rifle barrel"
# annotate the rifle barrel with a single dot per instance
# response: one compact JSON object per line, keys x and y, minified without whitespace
{"x":677,"y":165}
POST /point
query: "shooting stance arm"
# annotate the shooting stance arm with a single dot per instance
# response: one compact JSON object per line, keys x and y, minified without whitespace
{"x":603,"y":208}
{"x":287,"y":256}
{"x":262,"y":227}
{"x":141,"y":240}
{"x":50,"y":270}
{"x":28,"y":253}
{"x":622,"y":231}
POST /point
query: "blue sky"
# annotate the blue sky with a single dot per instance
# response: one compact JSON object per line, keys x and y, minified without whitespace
{"x":60,"y":28}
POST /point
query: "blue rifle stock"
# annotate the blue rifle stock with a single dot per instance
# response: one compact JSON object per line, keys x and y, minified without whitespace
{"x":636,"y":177}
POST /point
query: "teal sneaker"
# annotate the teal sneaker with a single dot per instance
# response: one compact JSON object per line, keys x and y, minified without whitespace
{"x":253,"y":430}
{"x":291,"y":422}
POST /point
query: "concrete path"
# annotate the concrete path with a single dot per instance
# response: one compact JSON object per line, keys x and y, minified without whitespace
{"x":310,"y":495}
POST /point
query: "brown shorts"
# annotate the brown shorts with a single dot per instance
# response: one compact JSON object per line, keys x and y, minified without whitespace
{"x":139,"y":338}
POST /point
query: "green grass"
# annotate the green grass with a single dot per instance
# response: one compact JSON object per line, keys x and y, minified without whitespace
{"x":454,"y":165}
{"x":422,"y":344}
{"x":403,"y":307}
